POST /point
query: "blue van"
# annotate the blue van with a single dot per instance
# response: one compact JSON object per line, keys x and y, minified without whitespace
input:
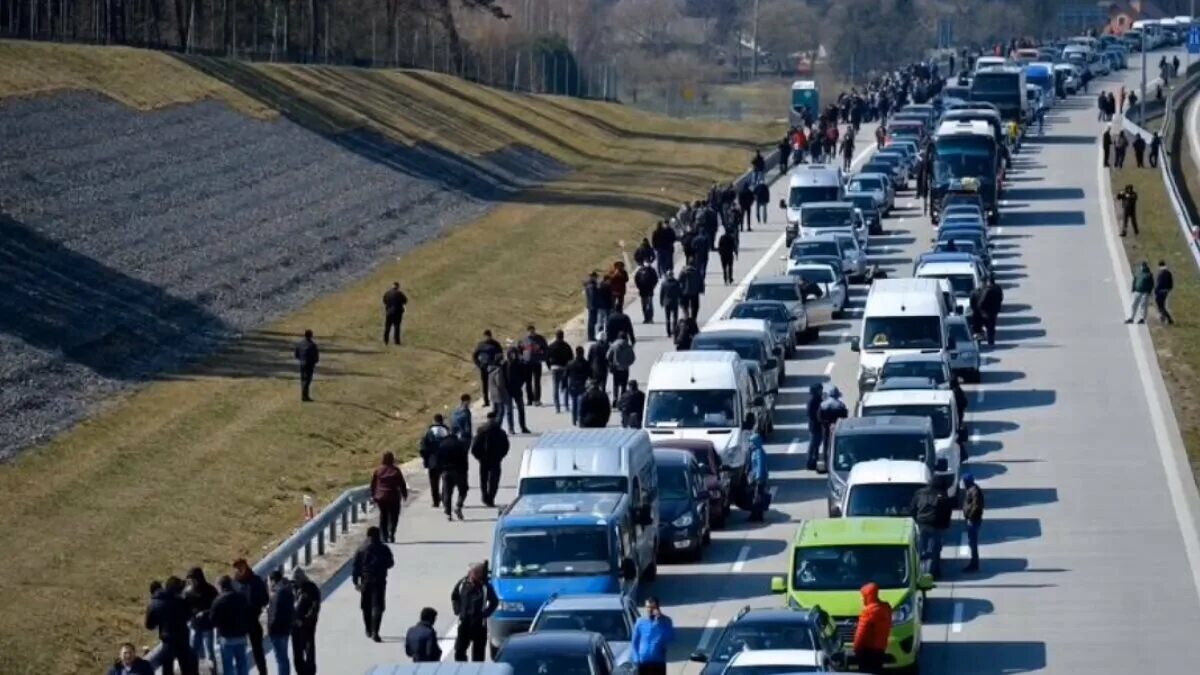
{"x":562,"y":544}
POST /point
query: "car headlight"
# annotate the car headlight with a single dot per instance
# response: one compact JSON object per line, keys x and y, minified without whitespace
{"x":509,"y":606}
{"x":903,"y":613}
{"x":684,"y":520}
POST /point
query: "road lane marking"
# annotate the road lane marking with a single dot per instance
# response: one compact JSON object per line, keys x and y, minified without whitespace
{"x":794,"y":446}
{"x":956,"y":624}
{"x":773,"y":489}
{"x":964,"y":547}
{"x":447,"y":642}
{"x":741,"y":559}
{"x":829,"y":368}
{"x":710,"y":627}
{"x":979,"y":394}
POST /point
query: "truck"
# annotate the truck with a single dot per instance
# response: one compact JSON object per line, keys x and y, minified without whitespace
{"x":966,"y":157}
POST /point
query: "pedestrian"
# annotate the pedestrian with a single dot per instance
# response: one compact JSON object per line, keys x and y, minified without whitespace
{"x":1143,"y":285}
{"x":489,"y":448}
{"x":644,"y":255}
{"x":394,"y":301}
{"x":759,"y":494}
{"x":1102,"y":106}
{"x":199,"y":595}
{"x":690,"y":288}
{"x":474,"y":600}
{"x":1155,"y":149}
{"x":304,"y":625}
{"x":249,"y":584}
{"x":515,"y":374}
{"x":1139,"y":150}
{"x":663,"y":240}
{"x":1164,"y":283}
{"x":594,"y":407}
{"x":646,"y":280}
{"x":991,"y":301}
{"x":619,"y":322}
{"x":1133,"y":99}
{"x":1175,"y":65}
{"x":1106,"y":143}
{"x":533,"y":355}
{"x":700,"y":251}
{"x":873,"y":631}
{"x":726,"y":250}
{"x":832,"y":411}
{"x":1121,"y":146}
{"x":685,"y":331}
{"x":129,"y":663}
{"x":653,"y":635}
{"x":815,"y":428}
{"x":972,"y":510}
{"x":281,"y":616}
{"x":669,"y":295}
{"x":631,"y":404}
{"x":758,"y":166}
{"x":579,"y":371}
{"x":231,"y":619}
{"x":591,"y":300}
{"x":618,"y":280}
{"x":847,"y":151}
{"x":168,"y":614}
{"x":388,"y":487}
{"x":621,"y":357}
{"x":598,"y":359}
{"x":604,"y":302}
{"x":487,"y":353}
{"x":421,"y":641}
{"x":451,"y":460}
{"x":558,"y":355}
{"x":931,"y":511}
{"x":785,"y":152}
{"x":369,"y":574}
{"x":762,"y":197}
{"x":309,"y":356}
{"x":1128,"y":199}
{"x":880,"y":137}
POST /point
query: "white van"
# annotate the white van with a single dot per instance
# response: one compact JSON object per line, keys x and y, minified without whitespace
{"x":963,"y":278}
{"x":808,"y":184}
{"x":884,"y":488}
{"x":570,"y":461}
{"x":989,"y":62}
{"x":940,"y":407}
{"x":902,"y":316}
{"x":703,"y":395}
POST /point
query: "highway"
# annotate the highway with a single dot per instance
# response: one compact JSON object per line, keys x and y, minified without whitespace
{"x":1090,"y":560}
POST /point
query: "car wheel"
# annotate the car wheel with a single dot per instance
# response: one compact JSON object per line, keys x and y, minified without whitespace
{"x":812,"y":334}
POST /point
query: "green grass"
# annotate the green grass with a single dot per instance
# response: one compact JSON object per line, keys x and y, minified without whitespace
{"x":208,"y":465}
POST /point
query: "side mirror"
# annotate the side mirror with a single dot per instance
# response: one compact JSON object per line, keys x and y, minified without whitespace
{"x":855,"y":344}
{"x":925,"y":583}
{"x":778,"y":585}
{"x":782,"y":204}
{"x":698,"y":657}
{"x":942,"y":465}
{"x":628,"y":569}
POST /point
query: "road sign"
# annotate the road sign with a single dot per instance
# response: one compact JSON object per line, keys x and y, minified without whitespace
{"x":1194,"y":40}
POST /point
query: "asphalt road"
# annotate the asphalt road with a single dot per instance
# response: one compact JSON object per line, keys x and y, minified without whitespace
{"x":1089,"y":547}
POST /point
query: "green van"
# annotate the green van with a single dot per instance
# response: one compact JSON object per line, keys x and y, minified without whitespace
{"x":832,"y":558}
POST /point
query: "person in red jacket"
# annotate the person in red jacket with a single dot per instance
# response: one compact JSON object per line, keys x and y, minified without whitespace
{"x":388,"y":490}
{"x":873,"y":630}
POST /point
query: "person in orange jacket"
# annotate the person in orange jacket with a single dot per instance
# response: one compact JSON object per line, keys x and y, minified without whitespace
{"x":873,"y":630}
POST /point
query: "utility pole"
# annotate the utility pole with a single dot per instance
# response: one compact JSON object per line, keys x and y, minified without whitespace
{"x":754,"y":39}
{"x":1142,"y":100}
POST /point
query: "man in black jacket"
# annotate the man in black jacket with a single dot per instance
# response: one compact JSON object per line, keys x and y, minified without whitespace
{"x":487,"y":352}
{"x":619,"y":322}
{"x":745,"y":200}
{"x":594,"y":407}
{"x":452,"y":459}
{"x":198,"y":594}
{"x":308,"y":355}
{"x":489,"y":448}
{"x":815,"y":429}
{"x":304,"y":626}
{"x":516,"y":374}
{"x":257,"y":597}
{"x":762,"y":197}
{"x":1164,"y":282}
{"x":371,"y":565}
{"x":231,"y":619}
{"x":281,"y":615}
{"x":931,"y":510}
{"x":669,"y":296}
{"x":631,"y":404}
{"x":646,"y":280}
{"x":393,"y":312}
{"x":474,"y":600}
{"x":990,"y":302}
{"x":168,"y":614}
{"x":558,"y":355}
{"x":421,"y":641}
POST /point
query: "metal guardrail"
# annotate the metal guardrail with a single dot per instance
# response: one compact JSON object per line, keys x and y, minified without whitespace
{"x":1170,"y":163}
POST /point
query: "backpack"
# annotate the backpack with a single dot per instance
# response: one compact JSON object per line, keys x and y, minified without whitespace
{"x":623,"y":356}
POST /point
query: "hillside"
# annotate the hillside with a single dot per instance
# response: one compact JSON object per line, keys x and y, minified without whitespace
{"x":181,"y":220}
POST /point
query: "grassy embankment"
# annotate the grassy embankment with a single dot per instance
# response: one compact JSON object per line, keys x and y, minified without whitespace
{"x":201,"y":467}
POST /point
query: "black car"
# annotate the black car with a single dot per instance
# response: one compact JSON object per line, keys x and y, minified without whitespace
{"x":562,"y":652}
{"x":772,"y":629}
{"x":683,"y":504}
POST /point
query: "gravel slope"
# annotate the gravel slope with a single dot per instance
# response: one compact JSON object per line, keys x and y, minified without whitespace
{"x":131,"y":243}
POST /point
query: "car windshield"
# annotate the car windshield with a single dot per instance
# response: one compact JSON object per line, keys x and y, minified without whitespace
{"x":938,"y":414}
{"x":814,"y":275}
{"x":864,"y":202}
{"x":960,"y":333}
{"x":572,"y":485}
{"x":690,"y":409}
{"x":752,"y":310}
{"x":931,"y":370}
{"x":962,"y":160}
{"x":850,"y":449}
{"x":902,"y":332}
{"x":819,"y":217}
{"x":673,"y":483}
{"x":801,"y":194}
{"x":555,"y":552}
{"x":610,"y":623}
{"x":887,"y":500}
{"x":749,"y":348}
{"x":541,"y":663}
{"x":866,"y":184}
{"x":804,"y":247}
{"x":843,"y":568}
{"x":962,"y":284}
{"x":754,"y":636}
{"x":781,"y":292}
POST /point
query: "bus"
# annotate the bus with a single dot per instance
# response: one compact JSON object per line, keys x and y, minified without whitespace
{"x":805,"y":97}
{"x":1003,"y":87}
{"x":966,"y":153}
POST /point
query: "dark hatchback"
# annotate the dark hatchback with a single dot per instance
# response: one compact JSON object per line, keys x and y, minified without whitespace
{"x":716,"y":478}
{"x":559,"y":652}
{"x":757,"y":629}
{"x":683,"y":506}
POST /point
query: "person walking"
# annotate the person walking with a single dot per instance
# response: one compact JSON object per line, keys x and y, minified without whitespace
{"x":248,"y":583}
{"x":281,"y":616}
{"x":199,"y":595}
{"x":1155,"y":149}
{"x":644,"y":254}
{"x":815,"y":428}
{"x":685,"y":331}
{"x":558,"y":356}
{"x":452,"y":460}
{"x":759,"y":494}
{"x":785,"y":152}
{"x":972,"y":511}
{"x":1121,"y":145}
{"x":663,"y":240}
{"x":621,"y":357}
{"x":618,"y":280}
{"x":618,"y":323}
{"x":1128,"y":198}
{"x":1102,"y":106}
{"x":1106,"y":142}
{"x":421,"y":641}
{"x":389,"y":489}
{"x":460,"y":419}
{"x":758,"y":166}
{"x":474,"y":601}
{"x":489,"y":448}
{"x":833,"y":410}
{"x":727,"y":250}
{"x":516,"y":377}
{"x":533,"y":355}
{"x":394,"y":301}
{"x":762,"y":197}
{"x":631,"y":404}
{"x":872,"y":632}
{"x":1139,"y":150}
{"x":847,"y":150}
{"x":931,"y":511}
{"x":690,"y":288}
{"x":1143,"y":285}
{"x":598,"y":359}
{"x":578,"y":372}
{"x":670,"y":293}
{"x":594,"y":407}
{"x":700,"y":251}
{"x":1164,"y":283}
{"x":990,"y":303}
{"x":309,"y":356}
{"x":645,"y":279}
{"x":369,"y":574}
{"x":129,"y":663}
{"x":231,"y":619}
{"x":591,"y":300}
{"x":487,"y":353}
{"x":653,"y":635}
{"x":167,"y":613}
{"x":304,"y":623}
{"x":429,"y":445}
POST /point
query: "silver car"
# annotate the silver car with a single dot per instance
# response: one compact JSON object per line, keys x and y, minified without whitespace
{"x":775,"y":313}
{"x":827,"y":278}
{"x":854,"y":255}
{"x":964,"y":358}
{"x":878,"y":185}
{"x":612,"y":615}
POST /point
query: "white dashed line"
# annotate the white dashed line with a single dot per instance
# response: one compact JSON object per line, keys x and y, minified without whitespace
{"x":956,"y":624}
{"x":710,"y":627}
{"x":829,"y":368}
{"x":964,"y":549}
{"x":447,"y":642}
{"x":741,"y":559}
{"x":794,"y":446}
{"x":773,"y":489}
{"x":979,"y":394}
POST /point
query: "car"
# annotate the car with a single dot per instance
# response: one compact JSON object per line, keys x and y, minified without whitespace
{"x":562,"y":652}
{"x":896,"y":165}
{"x":684,"y":527}
{"x":832,"y":558}
{"x":908,"y":161}
{"x":1070,"y":75}
{"x":778,"y":661}
{"x":965,"y":358}
{"x":763,"y":405}
{"x":716,"y":477}
{"x":869,"y":205}
{"x":770,"y":629}
{"x":777,"y":315}
{"x":879,"y":167}
{"x":861,"y":439}
{"x":825,"y":277}
{"x":965,"y":254}
{"x":879,"y":185}
{"x":854,"y":253}
{"x":785,"y":289}
{"x":751,"y":339}
{"x":612,"y":615}
{"x":941,"y":409}
{"x":964,"y":278}
{"x":884,"y":488}
{"x":934,"y":367}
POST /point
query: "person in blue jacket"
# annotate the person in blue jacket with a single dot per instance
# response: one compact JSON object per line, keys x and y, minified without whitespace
{"x":758,"y":476}
{"x":652,"y":637}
